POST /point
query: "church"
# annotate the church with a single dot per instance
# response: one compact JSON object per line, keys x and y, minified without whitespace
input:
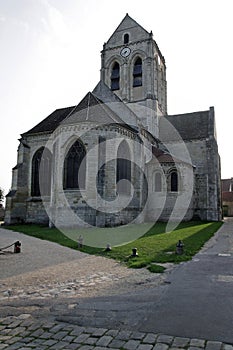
{"x":117,"y":157}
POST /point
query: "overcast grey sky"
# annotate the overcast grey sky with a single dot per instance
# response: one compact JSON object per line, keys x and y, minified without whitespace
{"x":50,"y":58}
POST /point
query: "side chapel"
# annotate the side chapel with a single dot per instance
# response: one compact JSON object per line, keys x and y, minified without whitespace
{"x":71,"y":165}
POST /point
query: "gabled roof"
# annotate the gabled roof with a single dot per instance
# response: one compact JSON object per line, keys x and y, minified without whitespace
{"x":92,"y":109}
{"x":128,"y":24}
{"x":50,"y":123}
{"x":107,"y":96}
{"x":188,"y":126}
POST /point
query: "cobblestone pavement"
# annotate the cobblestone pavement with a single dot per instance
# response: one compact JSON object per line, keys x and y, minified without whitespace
{"x":25,"y":333}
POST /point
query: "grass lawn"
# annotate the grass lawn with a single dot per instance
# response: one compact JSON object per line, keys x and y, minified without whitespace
{"x":154,"y":247}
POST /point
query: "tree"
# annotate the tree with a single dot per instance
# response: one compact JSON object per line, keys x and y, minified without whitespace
{"x":1,"y":195}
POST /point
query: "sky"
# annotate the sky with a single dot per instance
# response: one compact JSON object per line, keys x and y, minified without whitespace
{"x":50,"y":58}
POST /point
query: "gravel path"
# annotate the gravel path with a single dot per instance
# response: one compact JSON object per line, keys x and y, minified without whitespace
{"x":44,"y":269}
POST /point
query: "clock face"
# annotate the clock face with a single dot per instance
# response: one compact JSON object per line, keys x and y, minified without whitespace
{"x":125,"y":52}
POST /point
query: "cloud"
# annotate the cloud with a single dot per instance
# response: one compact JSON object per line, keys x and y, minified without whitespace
{"x":54,"y":22}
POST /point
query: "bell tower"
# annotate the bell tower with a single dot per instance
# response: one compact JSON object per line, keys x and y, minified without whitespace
{"x":133,"y":67}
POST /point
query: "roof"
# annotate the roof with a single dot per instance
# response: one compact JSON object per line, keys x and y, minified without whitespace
{"x":90,"y":109}
{"x":188,"y":126}
{"x":165,"y":157}
{"x":227,"y":196}
{"x":50,"y":123}
{"x":107,"y":96}
{"x":227,"y":185}
{"x":126,"y":25}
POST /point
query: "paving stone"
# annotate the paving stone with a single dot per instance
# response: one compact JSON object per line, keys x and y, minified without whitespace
{"x":150,"y":338}
{"x":137,"y":335}
{"x":49,"y":342}
{"x":180,"y":342}
{"x":145,"y":347}
{"x":166,"y":339}
{"x":57,"y":328}
{"x":16,"y":323}
{"x":68,"y":338}
{"x":59,"y":345}
{"x":6,"y":331}
{"x":213,"y":345}
{"x":160,"y":346}
{"x":198,"y":343}
{"x":112,"y":332}
{"x":227,"y":347}
{"x":117,"y":343}
{"x":13,"y":340}
{"x":4,"y":338}
{"x":60,"y":335}
{"x":86,"y":347}
{"x":3,"y":346}
{"x":91,"y":341}
{"x":98,"y":332}
{"x":72,"y":346}
{"x":77,"y":331}
{"x":131,"y":344}
{"x":194,"y":348}
{"x":81,"y":338}
{"x":124,"y":335}
{"x":27,"y":340}
{"x":46,"y":335}
{"x":37,"y":333}
{"x":104,"y":340}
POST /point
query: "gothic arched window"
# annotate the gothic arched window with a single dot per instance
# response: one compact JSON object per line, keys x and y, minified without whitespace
{"x":174,"y":181}
{"x":41,"y":172}
{"x":137,"y":72}
{"x":123,"y":168}
{"x":75,"y":167}
{"x":126,"y":38}
{"x":115,"y":77}
{"x":157,"y":182}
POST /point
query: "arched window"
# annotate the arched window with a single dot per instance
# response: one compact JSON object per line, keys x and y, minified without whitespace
{"x":123,"y":168}
{"x":115,"y":77}
{"x":137,"y":72}
{"x":75,"y":167}
{"x":157,"y":182}
{"x":41,"y":172}
{"x":126,"y":38}
{"x":174,"y":181}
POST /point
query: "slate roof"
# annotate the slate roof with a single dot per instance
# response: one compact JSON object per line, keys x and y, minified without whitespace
{"x":190,"y":126}
{"x":50,"y":123}
{"x":227,"y":184}
{"x":227,"y":196}
{"x":165,"y":157}
{"x":90,"y":109}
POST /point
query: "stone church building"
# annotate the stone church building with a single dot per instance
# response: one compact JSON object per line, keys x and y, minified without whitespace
{"x":117,"y":157}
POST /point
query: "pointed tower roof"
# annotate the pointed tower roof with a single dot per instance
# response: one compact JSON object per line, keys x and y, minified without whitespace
{"x":127,"y":25}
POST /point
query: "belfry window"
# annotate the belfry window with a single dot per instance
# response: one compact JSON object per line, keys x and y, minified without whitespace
{"x":115,"y":77}
{"x":174,"y":181}
{"x":75,"y":167}
{"x":126,"y":38}
{"x":123,"y":169}
{"x":41,"y":173}
{"x":137,"y":73}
